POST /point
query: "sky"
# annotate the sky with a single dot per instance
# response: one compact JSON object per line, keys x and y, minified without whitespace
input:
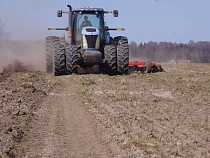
{"x":144,"y":20}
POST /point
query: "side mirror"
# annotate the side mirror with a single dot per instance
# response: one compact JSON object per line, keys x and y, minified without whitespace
{"x":115,"y":13}
{"x":59,"y":13}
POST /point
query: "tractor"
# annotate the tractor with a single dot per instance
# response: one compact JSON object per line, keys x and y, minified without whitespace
{"x":89,"y":47}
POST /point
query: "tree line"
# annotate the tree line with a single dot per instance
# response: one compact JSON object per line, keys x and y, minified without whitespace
{"x":195,"y":52}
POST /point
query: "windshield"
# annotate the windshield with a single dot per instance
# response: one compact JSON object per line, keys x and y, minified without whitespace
{"x":85,"y":20}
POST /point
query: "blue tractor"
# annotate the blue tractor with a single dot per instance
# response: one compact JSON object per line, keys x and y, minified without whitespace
{"x":89,"y":48}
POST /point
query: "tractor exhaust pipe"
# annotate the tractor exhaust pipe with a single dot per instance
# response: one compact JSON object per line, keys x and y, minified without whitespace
{"x":70,"y":25}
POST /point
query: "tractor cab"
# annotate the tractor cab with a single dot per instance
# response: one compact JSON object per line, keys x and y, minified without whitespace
{"x":88,"y":27}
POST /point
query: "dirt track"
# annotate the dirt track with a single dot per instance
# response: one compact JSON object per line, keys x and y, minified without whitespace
{"x":70,"y":131}
{"x":150,"y":115}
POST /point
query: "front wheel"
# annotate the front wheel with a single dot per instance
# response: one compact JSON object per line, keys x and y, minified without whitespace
{"x":121,"y":44}
{"x":110,"y":59}
{"x":59,"y":63}
{"x":122,"y":59}
{"x":71,"y":59}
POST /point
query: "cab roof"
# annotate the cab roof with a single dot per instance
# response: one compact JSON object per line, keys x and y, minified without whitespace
{"x":88,"y":9}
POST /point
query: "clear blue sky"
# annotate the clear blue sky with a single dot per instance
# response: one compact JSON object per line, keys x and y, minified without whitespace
{"x":144,"y":20}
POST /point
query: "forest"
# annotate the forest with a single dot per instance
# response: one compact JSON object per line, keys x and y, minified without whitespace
{"x":194,"y":52}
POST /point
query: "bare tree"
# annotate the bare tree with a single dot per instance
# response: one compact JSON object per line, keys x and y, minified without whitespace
{"x":134,"y":49}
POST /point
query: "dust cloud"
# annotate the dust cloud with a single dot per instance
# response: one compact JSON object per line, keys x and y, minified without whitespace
{"x":29,"y":51}
{"x":25,"y":40}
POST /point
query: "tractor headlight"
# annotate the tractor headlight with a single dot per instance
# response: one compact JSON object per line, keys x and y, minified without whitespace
{"x":84,"y":42}
{"x":98,"y":42}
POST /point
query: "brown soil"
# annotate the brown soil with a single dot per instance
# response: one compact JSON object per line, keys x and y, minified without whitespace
{"x":139,"y":115}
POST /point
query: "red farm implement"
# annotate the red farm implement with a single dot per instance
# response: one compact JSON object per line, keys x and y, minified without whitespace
{"x":17,"y":66}
{"x":144,"y":67}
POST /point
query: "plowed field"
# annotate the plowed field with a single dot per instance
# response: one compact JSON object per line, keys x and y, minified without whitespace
{"x":140,"y":115}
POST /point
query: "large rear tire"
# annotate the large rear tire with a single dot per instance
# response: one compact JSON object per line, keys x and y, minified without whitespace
{"x":110,"y":59}
{"x":121,"y":40}
{"x":71,"y":59}
{"x":63,"y":40}
{"x":59,"y":60}
{"x":56,"y":61}
{"x":122,"y":47}
{"x":62,"y":59}
{"x":50,"y":42}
